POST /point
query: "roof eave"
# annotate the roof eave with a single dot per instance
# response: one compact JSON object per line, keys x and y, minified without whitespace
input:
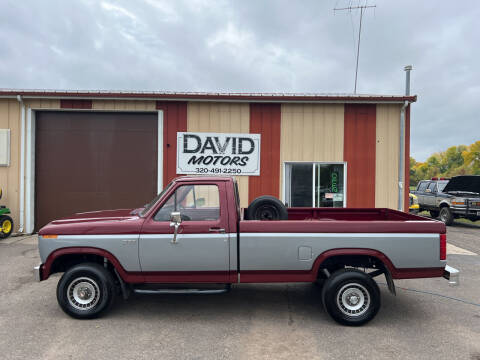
{"x":211,"y":97}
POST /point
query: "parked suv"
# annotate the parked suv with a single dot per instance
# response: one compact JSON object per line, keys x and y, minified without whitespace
{"x":450,"y":199}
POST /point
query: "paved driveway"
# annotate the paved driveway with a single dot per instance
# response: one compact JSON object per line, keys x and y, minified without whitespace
{"x":281,"y":321}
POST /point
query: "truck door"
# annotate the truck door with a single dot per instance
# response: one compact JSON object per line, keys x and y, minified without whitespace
{"x":430,"y":195}
{"x":200,"y":250}
{"x":422,"y":186}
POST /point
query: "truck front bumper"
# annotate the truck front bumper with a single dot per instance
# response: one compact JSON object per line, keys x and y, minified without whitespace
{"x":452,"y":275}
{"x":464,"y":211}
{"x":37,"y":272}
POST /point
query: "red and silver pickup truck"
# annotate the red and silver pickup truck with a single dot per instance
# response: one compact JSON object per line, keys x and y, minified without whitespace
{"x":193,"y":234}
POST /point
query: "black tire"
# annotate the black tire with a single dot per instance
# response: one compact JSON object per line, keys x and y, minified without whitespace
{"x":97,"y":283}
{"x":362,"y":288}
{"x":3,"y":222}
{"x":446,"y":215}
{"x":434,"y":213}
{"x":266,"y":208}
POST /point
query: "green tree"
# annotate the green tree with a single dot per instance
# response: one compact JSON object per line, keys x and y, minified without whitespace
{"x":471,"y":157}
{"x":456,"y":160}
{"x":452,"y":161}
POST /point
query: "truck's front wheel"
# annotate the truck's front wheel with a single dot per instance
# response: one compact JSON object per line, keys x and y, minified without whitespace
{"x":446,"y":215}
{"x":85,"y":291}
{"x":351,"y":297}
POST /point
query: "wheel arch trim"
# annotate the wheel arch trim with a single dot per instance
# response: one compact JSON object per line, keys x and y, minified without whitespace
{"x":46,"y":269}
{"x":396,"y":273}
{"x":323,"y":257}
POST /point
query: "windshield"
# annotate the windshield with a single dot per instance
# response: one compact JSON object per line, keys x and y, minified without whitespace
{"x":441,"y":185}
{"x":154,"y":201}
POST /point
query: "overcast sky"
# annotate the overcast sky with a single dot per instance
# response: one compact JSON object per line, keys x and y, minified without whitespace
{"x":256,"y":46}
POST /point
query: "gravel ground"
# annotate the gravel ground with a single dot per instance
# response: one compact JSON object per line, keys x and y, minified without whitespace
{"x":280,"y":321}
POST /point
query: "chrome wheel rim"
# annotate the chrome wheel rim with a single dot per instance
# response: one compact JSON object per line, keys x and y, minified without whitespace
{"x":353,"y":299}
{"x":443,"y":216}
{"x":83,"y":293}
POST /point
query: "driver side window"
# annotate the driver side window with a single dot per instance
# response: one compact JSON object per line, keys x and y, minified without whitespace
{"x":194,"y":202}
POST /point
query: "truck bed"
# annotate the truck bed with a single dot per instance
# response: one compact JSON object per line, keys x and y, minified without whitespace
{"x":408,"y":245}
{"x":358,"y":214}
{"x":346,"y":220}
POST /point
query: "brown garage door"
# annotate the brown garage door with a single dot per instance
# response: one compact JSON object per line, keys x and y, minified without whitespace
{"x":91,"y":161}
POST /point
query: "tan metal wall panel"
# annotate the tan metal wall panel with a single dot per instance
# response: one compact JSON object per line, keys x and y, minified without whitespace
{"x":311,"y":132}
{"x":10,"y":176}
{"x":10,"y":113}
{"x":387,"y":151}
{"x":42,"y":104}
{"x":223,"y":118}
{"x":123,"y":105}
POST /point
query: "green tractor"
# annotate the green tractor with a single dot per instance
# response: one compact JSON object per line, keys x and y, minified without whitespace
{"x":6,"y":222}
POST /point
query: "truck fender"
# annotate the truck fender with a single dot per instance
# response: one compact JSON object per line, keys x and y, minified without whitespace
{"x":46,"y":269}
{"x":352,"y":252}
{"x":387,"y":270}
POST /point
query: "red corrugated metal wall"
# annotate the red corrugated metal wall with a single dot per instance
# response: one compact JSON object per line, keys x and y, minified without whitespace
{"x":174,"y":120}
{"x":265,"y":119}
{"x":359,"y":153}
{"x":75,"y":104}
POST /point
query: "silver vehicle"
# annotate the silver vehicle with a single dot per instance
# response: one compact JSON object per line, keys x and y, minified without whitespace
{"x":458,"y":197}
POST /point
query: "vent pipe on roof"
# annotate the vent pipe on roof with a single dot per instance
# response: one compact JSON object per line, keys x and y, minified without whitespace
{"x":407,"y":69}
{"x":401,"y":160}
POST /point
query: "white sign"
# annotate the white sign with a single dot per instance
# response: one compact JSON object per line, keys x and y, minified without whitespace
{"x":221,"y":154}
{"x":337,"y":197}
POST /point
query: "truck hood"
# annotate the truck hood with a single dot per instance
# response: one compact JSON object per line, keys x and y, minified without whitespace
{"x":98,"y":222}
{"x":466,"y":183}
{"x":117,"y":214}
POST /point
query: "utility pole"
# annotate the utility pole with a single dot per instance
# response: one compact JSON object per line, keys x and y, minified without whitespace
{"x":362,"y":8}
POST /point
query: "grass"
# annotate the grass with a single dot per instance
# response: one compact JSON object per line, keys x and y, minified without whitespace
{"x":461,"y":220}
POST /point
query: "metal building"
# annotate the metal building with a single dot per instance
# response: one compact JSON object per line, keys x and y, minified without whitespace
{"x":69,"y":151}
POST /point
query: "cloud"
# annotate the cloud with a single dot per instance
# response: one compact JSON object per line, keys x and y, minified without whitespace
{"x":248,"y":46}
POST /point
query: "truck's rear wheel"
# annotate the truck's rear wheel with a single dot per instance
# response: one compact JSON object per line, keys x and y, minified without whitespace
{"x":446,"y":215}
{"x":266,"y":208}
{"x":351,"y":297}
{"x":85,"y":291}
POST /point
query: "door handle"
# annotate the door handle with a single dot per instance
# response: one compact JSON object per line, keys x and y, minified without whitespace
{"x":175,"y":226}
{"x":217,"y":230}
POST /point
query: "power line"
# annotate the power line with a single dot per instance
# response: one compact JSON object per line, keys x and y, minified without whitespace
{"x":362,"y":8}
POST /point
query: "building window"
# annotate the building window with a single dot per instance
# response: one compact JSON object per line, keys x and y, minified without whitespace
{"x":314,"y":184}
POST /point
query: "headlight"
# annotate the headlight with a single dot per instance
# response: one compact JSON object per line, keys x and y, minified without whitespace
{"x":458,"y":202}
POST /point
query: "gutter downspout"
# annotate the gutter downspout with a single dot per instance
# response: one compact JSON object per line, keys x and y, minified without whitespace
{"x":22,"y":164}
{"x":401,"y":160}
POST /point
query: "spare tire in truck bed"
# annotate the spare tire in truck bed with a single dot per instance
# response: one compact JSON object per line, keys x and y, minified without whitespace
{"x":266,"y":208}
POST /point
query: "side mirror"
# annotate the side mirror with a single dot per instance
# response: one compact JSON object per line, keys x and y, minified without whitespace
{"x":175,"y":217}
